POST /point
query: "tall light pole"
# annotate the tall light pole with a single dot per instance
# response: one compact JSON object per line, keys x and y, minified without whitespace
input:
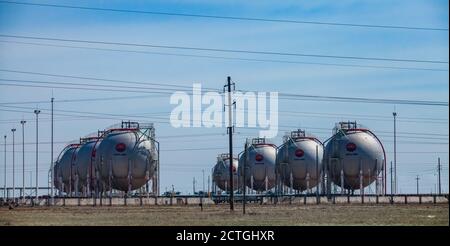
{"x":37,"y":111}
{"x":23,"y":158}
{"x":14,"y":166}
{"x":203,"y":172}
{"x":208,"y":185}
{"x":51,"y":154}
{"x":4,"y":186}
{"x":392,"y":183}
{"x":439,"y":174}
{"x":395,"y":151}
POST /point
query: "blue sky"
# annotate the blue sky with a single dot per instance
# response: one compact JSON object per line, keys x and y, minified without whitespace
{"x":178,"y":167}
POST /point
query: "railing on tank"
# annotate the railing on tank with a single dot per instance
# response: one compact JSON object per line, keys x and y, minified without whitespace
{"x":224,"y":156}
{"x":147,"y":129}
{"x":299,"y":134}
{"x":345,"y":126}
{"x":258,"y":141}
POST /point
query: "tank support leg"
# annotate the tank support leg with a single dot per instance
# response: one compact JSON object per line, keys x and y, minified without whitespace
{"x":342,"y":182}
{"x":322,"y":178}
{"x":251,"y":183}
{"x":327,"y":173}
{"x":291,"y":182}
{"x":146,"y":189}
{"x":266,"y":181}
{"x":61,"y":187}
{"x":129,"y":177}
{"x":88,"y":186}
{"x":76,"y":186}
{"x":110,"y":179}
{"x":96,"y":184}
{"x":361,"y":177}
{"x":307,"y":183}
{"x":377,"y":177}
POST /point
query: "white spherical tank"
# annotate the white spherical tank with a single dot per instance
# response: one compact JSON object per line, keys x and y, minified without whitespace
{"x":65,"y":168}
{"x":125,"y":159}
{"x":299,"y":161}
{"x":85,"y":163}
{"x":354,"y":156}
{"x":260,"y":165}
{"x":221,"y":173}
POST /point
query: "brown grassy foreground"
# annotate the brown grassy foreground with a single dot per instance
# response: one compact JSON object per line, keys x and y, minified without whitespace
{"x":410,"y":214}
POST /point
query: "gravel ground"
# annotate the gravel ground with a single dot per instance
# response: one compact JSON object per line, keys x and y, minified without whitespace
{"x":410,"y":214}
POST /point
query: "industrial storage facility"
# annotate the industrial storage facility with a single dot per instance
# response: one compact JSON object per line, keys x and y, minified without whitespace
{"x":123,"y":157}
{"x":123,"y":161}
{"x":353,"y":158}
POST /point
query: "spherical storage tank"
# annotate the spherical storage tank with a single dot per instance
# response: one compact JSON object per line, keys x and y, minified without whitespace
{"x":85,"y":163}
{"x":298,"y":163}
{"x":64,"y":168}
{"x":125,"y":159}
{"x":354,"y":156}
{"x":259,"y":165}
{"x":221,"y":172}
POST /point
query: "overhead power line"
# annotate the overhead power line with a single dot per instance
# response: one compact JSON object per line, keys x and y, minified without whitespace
{"x":233,"y":58}
{"x":284,"y":96}
{"x":84,"y":89}
{"x":280,"y":112}
{"x":226,"y":50}
{"x":153,"y":89}
{"x":234,"y":18}
{"x":116,"y":116}
{"x":77,"y":100}
{"x":290,"y":96}
{"x":171,"y":86}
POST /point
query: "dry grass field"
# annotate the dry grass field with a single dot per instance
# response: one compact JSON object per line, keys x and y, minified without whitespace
{"x":353,"y":214}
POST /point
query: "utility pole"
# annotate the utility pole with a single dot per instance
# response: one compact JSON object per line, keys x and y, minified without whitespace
{"x":51,"y":156}
{"x":14,"y":167}
{"x":23,"y":158}
{"x":37,"y":111}
{"x":395,"y":151}
{"x":439,"y":175}
{"x":193,"y":186}
{"x":244,"y":171}
{"x":230,"y":134}
{"x":417,"y":183}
